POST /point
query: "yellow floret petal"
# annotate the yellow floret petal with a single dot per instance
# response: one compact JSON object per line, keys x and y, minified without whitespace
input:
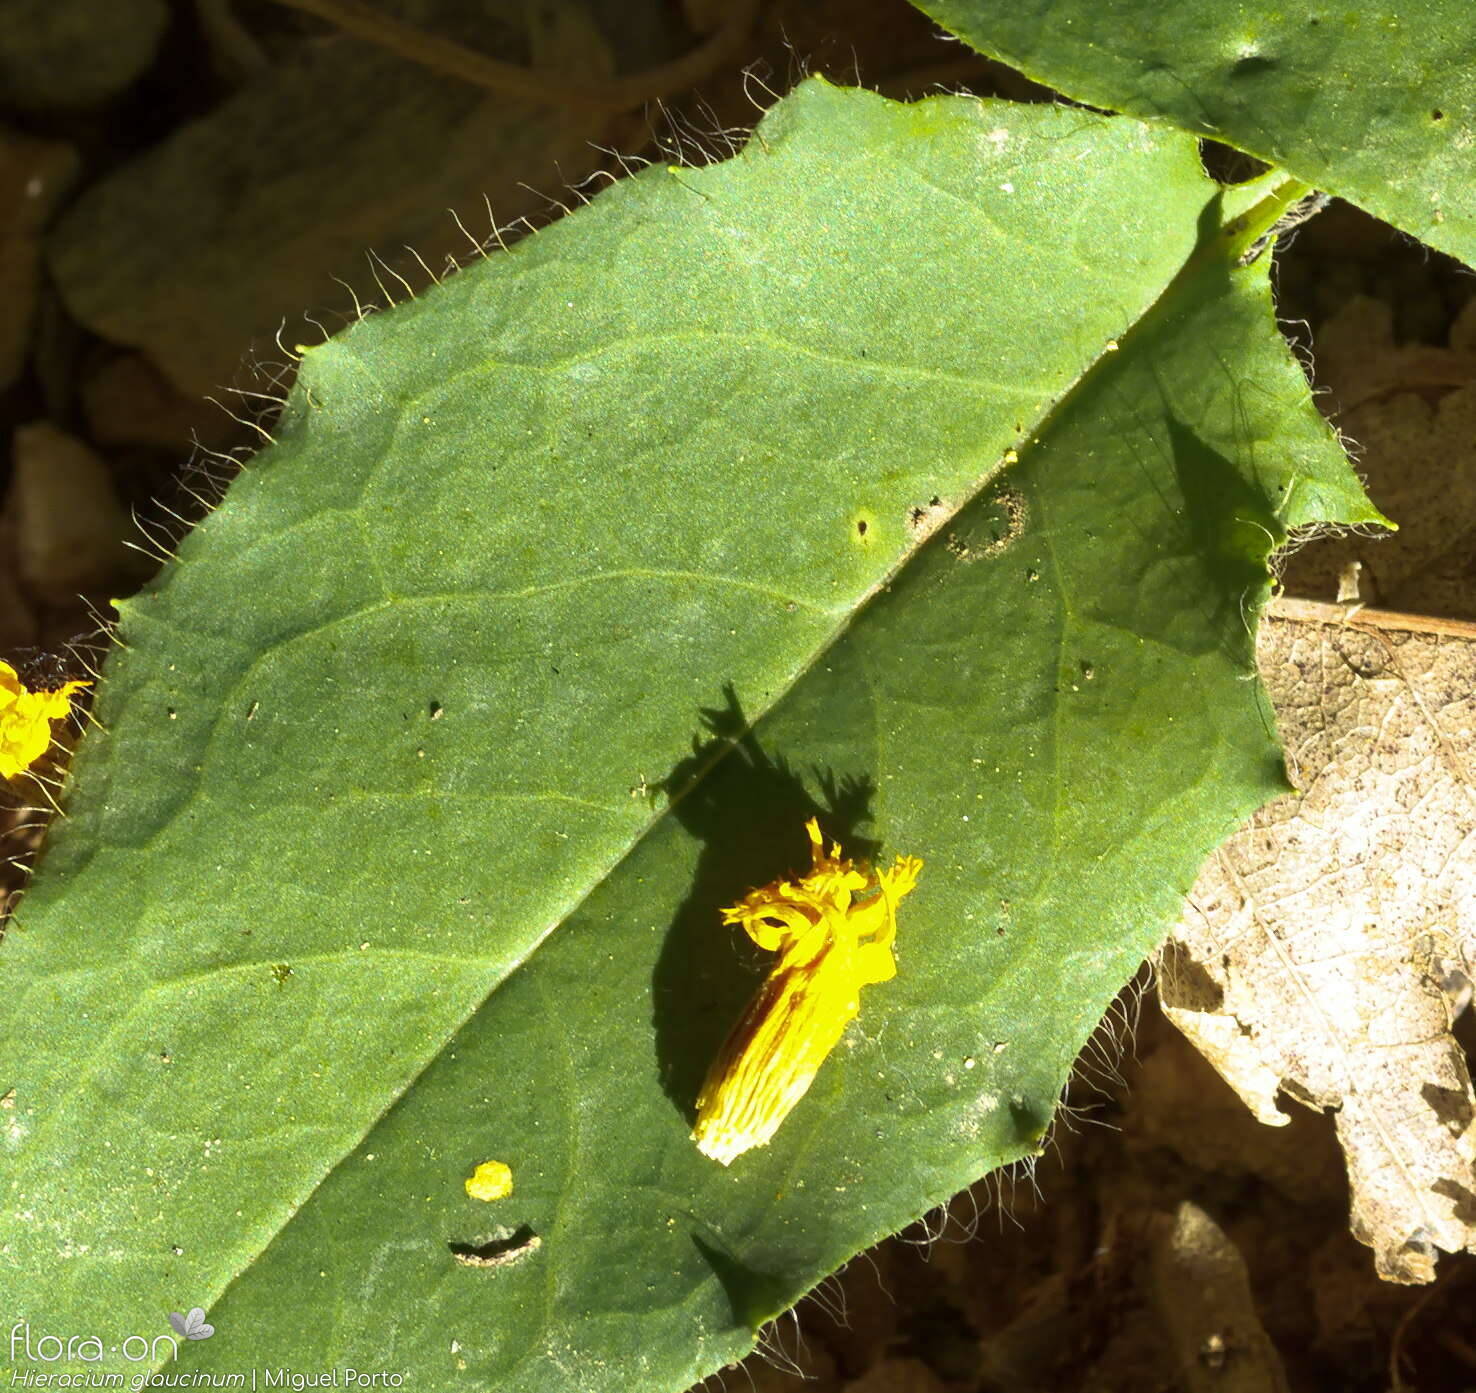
{"x":492,"y":1180}
{"x":817,"y":842}
{"x":25,"y":719}
{"x":830,"y":945}
{"x":902,"y":878}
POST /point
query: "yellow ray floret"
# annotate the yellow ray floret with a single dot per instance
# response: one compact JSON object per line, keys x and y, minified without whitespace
{"x":833,"y":930}
{"x":25,"y":719}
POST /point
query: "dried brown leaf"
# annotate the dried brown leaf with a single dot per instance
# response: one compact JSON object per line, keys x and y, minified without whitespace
{"x":1328,"y":943}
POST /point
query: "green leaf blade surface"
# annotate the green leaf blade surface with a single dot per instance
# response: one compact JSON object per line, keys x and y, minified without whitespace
{"x":1373,"y":102}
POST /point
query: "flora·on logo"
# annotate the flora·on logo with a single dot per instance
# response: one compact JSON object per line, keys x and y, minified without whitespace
{"x":192,"y":1326}
{"x":49,"y":1348}
{"x":87,"y":1349}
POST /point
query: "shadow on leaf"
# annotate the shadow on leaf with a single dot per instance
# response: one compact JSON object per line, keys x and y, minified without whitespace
{"x":748,"y":808}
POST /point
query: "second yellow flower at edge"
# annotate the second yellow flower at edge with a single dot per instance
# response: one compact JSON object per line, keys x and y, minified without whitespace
{"x":25,"y":719}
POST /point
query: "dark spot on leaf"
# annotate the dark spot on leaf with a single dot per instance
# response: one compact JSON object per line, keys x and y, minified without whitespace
{"x":861,"y":528}
{"x":1437,"y":115}
{"x":923,"y":519}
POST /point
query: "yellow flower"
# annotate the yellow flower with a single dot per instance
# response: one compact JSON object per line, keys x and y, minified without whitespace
{"x":25,"y":719}
{"x":492,"y":1180}
{"x":830,"y":945}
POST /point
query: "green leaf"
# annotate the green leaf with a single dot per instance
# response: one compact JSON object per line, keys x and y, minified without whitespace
{"x":1375,"y":101}
{"x":360,"y":887}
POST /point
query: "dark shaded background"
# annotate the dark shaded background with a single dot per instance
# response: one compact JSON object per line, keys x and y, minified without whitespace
{"x":190,"y":187}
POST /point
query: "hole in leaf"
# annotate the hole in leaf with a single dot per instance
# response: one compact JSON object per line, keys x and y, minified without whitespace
{"x":499,"y":1252}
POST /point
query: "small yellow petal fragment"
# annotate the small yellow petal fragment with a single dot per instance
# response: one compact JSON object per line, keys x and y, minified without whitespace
{"x":833,"y":930}
{"x":25,"y":719}
{"x":492,"y":1180}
